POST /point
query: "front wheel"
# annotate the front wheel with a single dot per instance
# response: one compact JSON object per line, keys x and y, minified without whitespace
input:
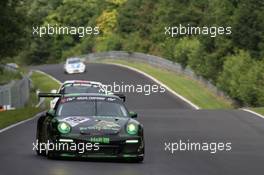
{"x":139,"y":159}
{"x":51,"y":154}
{"x":40,"y":146}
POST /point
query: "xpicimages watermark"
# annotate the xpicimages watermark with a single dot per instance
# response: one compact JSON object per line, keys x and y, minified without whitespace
{"x":80,"y":31}
{"x":146,"y":89}
{"x":212,"y":31}
{"x":65,"y":146}
{"x":188,"y":146}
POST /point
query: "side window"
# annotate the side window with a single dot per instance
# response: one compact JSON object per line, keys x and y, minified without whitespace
{"x":62,"y":90}
{"x":57,"y":103}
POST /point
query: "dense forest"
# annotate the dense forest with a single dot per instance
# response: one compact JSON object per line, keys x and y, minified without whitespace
{"x":235,"y":62}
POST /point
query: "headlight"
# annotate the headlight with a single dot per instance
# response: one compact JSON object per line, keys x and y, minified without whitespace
{"x":132,"y":128}
{"x":82,"y":66}
{"x":64,"y":128}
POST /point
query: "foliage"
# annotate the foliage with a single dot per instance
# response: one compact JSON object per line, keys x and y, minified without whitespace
{"x":12,"y":28}
{"x":243,"y":79}
{"x":138,"y":25}
{"x":187,"y":52}
{"x":7,"y":75}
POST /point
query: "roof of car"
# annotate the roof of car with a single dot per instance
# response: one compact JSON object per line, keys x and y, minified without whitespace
{"x":90,"y":95}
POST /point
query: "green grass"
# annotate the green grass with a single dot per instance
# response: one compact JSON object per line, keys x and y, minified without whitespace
{"x":43,"y":82}
{"x":40,"y":81}
{"x":13,"y":116}
{"x":6,"y":76}
{"x":259,"y":110}
{"x":190,"y":89}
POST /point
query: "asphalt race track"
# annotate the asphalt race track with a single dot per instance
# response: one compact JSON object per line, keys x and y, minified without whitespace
{"x":166,"y":119}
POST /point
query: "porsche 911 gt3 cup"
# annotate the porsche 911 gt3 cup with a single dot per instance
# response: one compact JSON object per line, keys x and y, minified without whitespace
{"x":100,"y":122}
{"x":74,"y":65}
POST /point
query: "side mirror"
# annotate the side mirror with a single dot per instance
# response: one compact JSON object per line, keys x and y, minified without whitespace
{"x":53,"y":91}
{"x":132,"y":114}
{"x":122,"y":96}
{"x":51,"y":113}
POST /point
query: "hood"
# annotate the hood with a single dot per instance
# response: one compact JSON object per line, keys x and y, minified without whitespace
{"x":95,"y":125}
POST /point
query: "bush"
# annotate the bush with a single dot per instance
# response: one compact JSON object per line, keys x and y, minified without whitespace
{"x":187,"y":51}
{"x":134,"y":43}
{"x":243,"y":79}
{"x":108,"y":43}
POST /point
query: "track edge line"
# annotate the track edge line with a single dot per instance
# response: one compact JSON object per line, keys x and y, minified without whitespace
{"x":160,"y":83}
{"x":252,"y":112}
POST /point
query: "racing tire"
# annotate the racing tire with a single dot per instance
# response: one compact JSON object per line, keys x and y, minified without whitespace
{"x":52,"y":155}
{"x":40,"y":146}
{"x":139,"y":159}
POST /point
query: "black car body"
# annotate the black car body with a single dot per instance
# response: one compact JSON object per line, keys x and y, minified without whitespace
{"x":98,"y":122}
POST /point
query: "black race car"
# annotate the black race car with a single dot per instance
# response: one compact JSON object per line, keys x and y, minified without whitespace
{"x":89,"y":126}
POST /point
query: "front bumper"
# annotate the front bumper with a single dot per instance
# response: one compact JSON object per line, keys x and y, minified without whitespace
{"x":75,"y":70}
{"x":124,"y":147}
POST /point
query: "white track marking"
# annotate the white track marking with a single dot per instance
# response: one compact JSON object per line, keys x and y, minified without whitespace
{"x":160,"y":83}
{"x":252,"y":112}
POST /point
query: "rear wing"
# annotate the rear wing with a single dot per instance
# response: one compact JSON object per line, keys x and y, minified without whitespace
{"x":50,"y":95}
{"x":56,"y":95}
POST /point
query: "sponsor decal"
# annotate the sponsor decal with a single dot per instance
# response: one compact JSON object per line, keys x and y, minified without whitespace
{"x":76,"y":120}
{"x":68,"y":99}
{"x":102,"y":125}
{"x":100,"y":140}
{"x":106,"y":125}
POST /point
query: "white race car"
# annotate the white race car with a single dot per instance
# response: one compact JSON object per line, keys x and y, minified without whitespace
{"x":79,"y":86}
{"x":74,"y":65}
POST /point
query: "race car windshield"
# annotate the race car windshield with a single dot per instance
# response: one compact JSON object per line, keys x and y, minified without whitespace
{"x":74,"y":61}
{"x":92,"y":108}
{"x":82,"y":89}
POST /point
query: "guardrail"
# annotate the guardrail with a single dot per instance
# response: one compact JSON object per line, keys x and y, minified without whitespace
{"x":157,"y":62}
{"x":15,"y":94}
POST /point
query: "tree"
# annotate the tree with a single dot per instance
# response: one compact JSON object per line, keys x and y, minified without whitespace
{"x":12,"y":28}
{"x":248,"y":27}
{"x":232,"y":77}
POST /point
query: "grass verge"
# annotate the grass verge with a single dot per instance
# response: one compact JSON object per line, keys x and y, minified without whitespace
{"x":13,"y":116}
{"x":43,"y":82}
{"x":190,"y":89}
{"x":259,"y":110}
{"x":40,"y":81}
{"x":7,"y":75}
